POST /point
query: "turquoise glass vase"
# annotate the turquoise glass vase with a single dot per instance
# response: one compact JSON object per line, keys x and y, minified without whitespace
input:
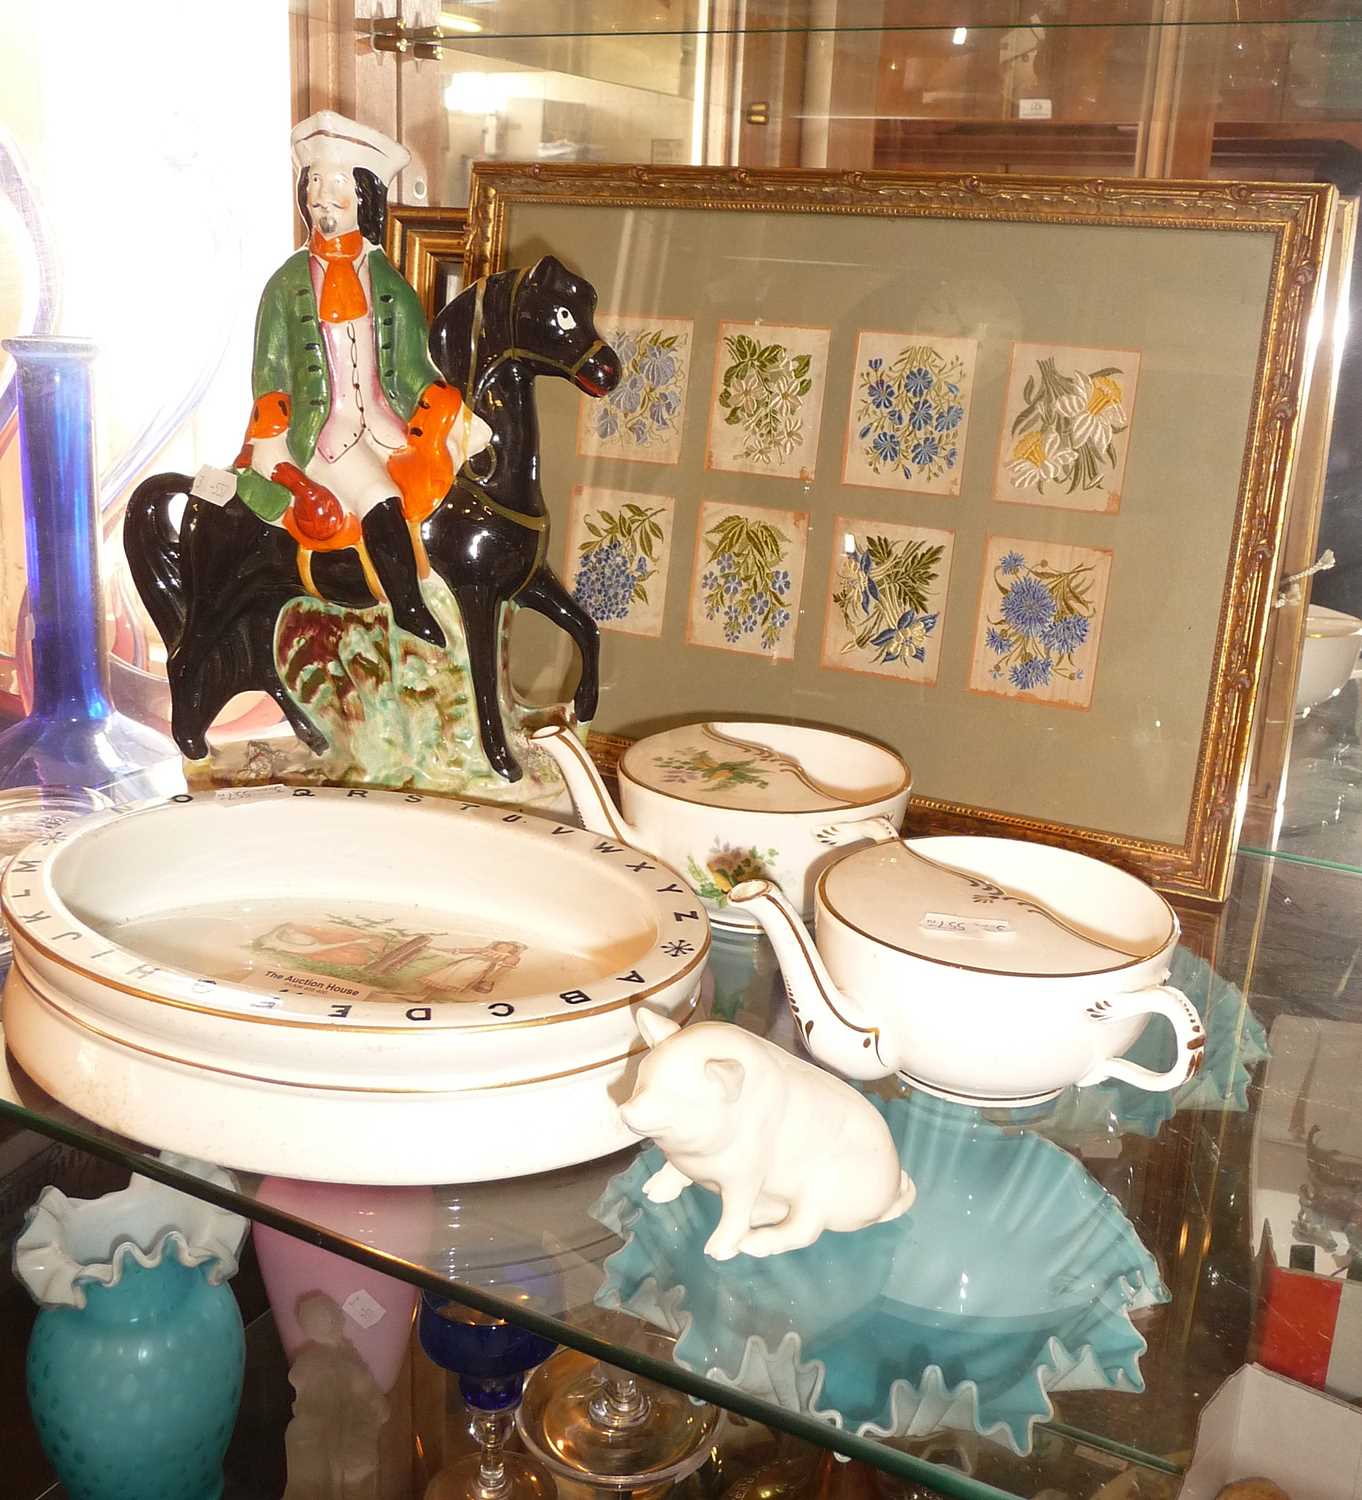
{"x":136,"y":1360}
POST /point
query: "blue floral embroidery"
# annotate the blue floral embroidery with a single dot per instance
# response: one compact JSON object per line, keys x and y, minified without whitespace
{"x":605,"y":583}
{"x":657,"y":365}
{"x":881,"y":594}
{"x":617,"y":561}
{"x":740,"y":581}
{"x":919,"y":392}
{"x":644,"y":409}
{"x":1044,"y":618}
{"x":1028,"y":606}
{"x":1065,"y":634}
{"x":1030,"y":673}
{"x":887,"y":446}
{"x":628,"y":395}
{"x":881,"y":394}
{"x":907,"y":638}
{"x":920,"y":415}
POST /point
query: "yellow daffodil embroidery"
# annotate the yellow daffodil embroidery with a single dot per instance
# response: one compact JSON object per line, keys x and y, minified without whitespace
{"x":1065,"y":433}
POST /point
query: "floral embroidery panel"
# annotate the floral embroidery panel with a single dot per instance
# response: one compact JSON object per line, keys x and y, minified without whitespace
{"x":1041,"y":608}
{"x":887,"y":600}
{"x":767,"y":403}
{"x":910,"y":396}
{"x":642,"y":418}
{"x":1067,"y":427}
{"x":618,"y":554}
{"x":749,"y":569}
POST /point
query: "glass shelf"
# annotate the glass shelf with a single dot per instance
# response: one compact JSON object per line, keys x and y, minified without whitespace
{"x":1204,"y":88}
{"x":474,"y":22}
{"x":1321,"y":817}
{"x":538,"y":1250}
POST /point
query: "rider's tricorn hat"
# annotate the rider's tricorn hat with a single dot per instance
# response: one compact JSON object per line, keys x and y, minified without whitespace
{"x":332,"y":137}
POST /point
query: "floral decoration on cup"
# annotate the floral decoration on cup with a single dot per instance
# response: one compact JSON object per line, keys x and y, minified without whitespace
{"x":886,"y":597}
{"x":618,"y":557}
{"x":768,"y":399}
{"x":700,"y":768}
{"x":1068,"y":427}
{"x":1040,"y":617}
{"x":909,"y":405}
{"x":727,"y":866}
{"x":642,"y":418}
{"x":749,"y":565}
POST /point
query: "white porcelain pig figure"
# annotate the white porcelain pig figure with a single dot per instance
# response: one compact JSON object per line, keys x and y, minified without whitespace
{"x":790,"y":1149}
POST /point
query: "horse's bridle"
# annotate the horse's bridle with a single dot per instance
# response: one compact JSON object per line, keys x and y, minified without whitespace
{"x":477,"y":381}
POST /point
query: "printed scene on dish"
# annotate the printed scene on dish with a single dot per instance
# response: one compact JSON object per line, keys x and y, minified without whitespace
{"x":767,"y":403}
{"x":910,"y":396}
{"x":1066,"y":427}
{"x":643,"y":417}
{"x":886,"y":602}
{"x":748,"y":572}
{"x":1039,"y":625}
{"x":618,"y":555}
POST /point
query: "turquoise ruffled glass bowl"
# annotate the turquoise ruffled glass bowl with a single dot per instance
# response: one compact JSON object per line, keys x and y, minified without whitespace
{"x":1013,"y":1275}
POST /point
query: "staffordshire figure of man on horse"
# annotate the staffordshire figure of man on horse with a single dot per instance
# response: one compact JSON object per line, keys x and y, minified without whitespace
{"x":381,"y":467}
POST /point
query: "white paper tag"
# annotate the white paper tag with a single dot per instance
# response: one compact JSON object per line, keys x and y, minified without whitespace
{"x":1033,"y":109}
{"x":361,"y":1308}
{"x":250,"y":793}
{"x":937,"y":921}
{"x":214,"y":485}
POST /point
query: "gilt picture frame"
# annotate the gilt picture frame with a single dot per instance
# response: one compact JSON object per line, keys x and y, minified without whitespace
{"x":428,"y":245}
{"x":1144,"y":766}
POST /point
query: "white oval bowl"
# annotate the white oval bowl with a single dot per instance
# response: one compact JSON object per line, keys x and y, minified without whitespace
{"x":1329,"y":652}
{"x":863,"y":781}
{"x":170,"y":954}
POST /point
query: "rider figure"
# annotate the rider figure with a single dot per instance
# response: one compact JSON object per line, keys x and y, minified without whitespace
{"x":354,"y":437}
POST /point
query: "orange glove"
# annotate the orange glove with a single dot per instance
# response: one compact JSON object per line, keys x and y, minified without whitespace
{"x":269,"y":417}
{"x":423,"y":471}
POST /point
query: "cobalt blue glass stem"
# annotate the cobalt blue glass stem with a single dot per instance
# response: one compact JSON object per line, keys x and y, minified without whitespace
{"x":73,"y":736}
{"x":56,"y":441}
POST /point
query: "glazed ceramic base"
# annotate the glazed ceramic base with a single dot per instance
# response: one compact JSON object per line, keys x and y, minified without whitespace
{"x":322,"y":1134}
{"x":981,"y":1101}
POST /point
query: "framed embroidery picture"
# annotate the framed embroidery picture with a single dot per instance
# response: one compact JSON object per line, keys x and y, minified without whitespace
{"x":891,"y":452}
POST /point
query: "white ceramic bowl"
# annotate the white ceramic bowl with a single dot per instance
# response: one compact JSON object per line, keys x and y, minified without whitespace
{"x":1329,"y":652}
{"x":986,"y":970}
{"x":727,"y":802}
{"x":350,"y":986}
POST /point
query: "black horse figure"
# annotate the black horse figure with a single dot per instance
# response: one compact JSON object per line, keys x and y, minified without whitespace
{"x":215,"y":587}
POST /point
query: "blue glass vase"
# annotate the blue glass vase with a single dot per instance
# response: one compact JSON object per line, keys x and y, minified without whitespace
{"x":136,"y":1360}
{"x":73,"y":736}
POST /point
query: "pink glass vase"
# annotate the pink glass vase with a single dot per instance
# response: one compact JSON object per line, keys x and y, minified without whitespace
{"x":378,"y":1309}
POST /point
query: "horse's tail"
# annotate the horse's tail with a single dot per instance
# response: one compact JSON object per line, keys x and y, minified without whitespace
{"x":153,"y":547}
